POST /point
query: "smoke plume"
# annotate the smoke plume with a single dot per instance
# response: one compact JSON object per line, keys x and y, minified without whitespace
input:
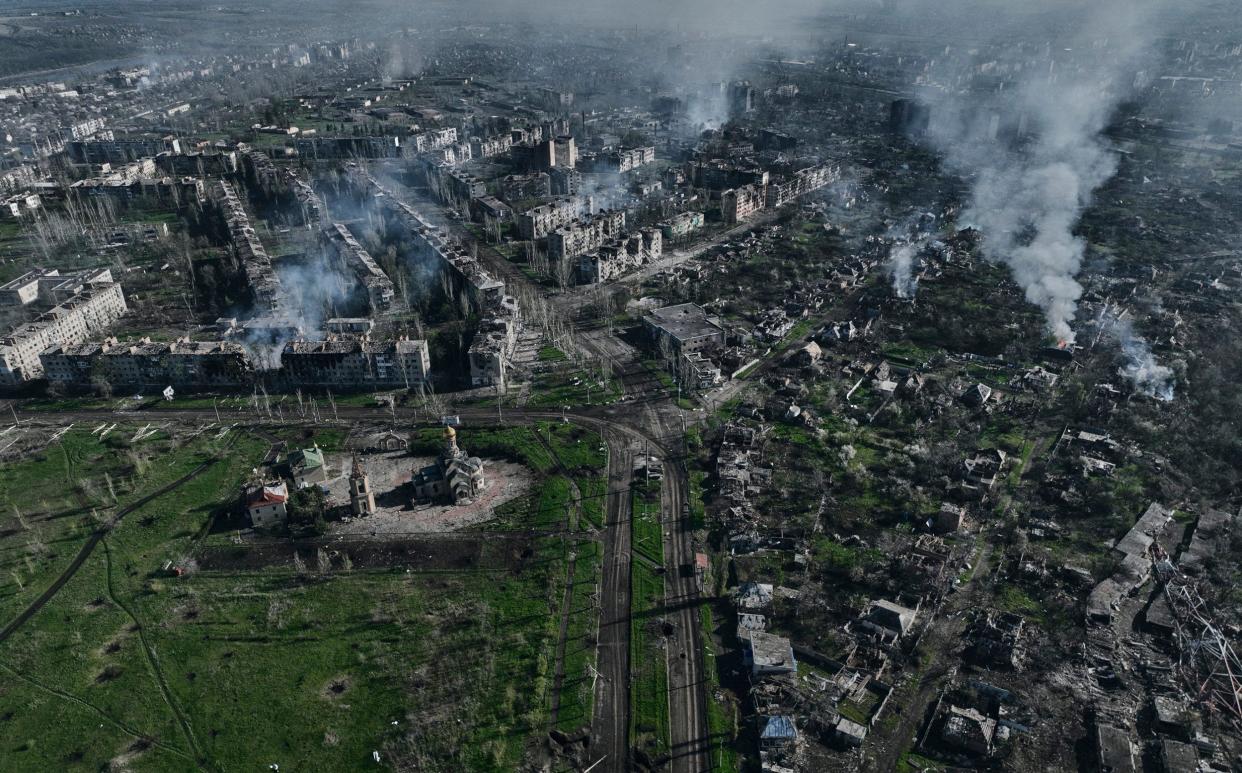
{"x":1140,"y":366}
{"x":901,"y":269}
{"x":1035,"y":155}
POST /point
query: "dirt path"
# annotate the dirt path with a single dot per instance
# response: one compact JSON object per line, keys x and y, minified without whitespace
{"x":103,"y":715}
{"x":156,"y":672}
{"x":942,"y":635}
{"x":91,"y":543}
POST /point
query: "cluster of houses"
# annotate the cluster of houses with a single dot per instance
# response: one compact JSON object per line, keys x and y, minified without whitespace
{"x":453,"y":478}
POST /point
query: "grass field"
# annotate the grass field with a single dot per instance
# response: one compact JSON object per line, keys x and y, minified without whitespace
{"x":129,"y":668}
{"x":57,"y":497}
{"x":649,"y":721}
{"x":721,"y":717}
{"x":648,"y":540}
{"x":577,"y":698}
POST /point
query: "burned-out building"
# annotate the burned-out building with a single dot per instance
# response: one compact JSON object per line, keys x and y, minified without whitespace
{"x":521,"y":187}
{"x":148,"y":364}
{"x":621,"y":256}
{"x":256,"y":265}
{"x":357,"y":261}
{"x":739,"y":204}
{"x":784,"y":190}
{"x":579,"y":237}
{"x":538,"y":222}
{"x":353,"y":363}
{"x":683,"y":328}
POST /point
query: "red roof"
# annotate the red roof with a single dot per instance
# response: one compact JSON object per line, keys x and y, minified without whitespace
{"x":268,"y":495}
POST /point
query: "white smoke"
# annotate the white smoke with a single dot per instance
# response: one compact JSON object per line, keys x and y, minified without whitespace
{"x":901,"y":269}
{"x":1026,"y":201}
{"x":911,"y":237}
{"x":1141,"y":368}
{"x":1036,"y":155}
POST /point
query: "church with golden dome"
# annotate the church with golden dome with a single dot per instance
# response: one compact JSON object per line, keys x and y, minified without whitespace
{"x":456,"y":477}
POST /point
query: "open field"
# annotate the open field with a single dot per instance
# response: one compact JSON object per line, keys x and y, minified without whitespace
{"x":439,"y":654}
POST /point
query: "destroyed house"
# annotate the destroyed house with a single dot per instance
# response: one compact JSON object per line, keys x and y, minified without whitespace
{"x":777,"y":732}
{"x":968,"y":730}
{"x":888,"y":619}
{"x":767,"y":654}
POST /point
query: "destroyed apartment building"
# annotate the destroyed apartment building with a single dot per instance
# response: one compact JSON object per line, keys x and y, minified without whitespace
{"x":621,"y":256}
{"x":86,"y":304}
{"x":491,"y":352}
{"x":255,"y":264}
{"x":146,"y":364}
{"x":357,"y":261}
{"x":579,"y":237}
{"x":349,"y":363}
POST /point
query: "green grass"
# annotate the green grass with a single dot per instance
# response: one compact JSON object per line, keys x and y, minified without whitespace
{"x":648,"y":538}
{"x":798,"y":332}
{"x":594,"y":492}
{"x":85,"y":644}
{"x":661,"y":374}
{"x":330,"y":439}
{"x":54,"y":499}
{"x":842,"y":559}
{"x":551,"y":354}
{"x":577,"y":699}
{"x":698,"y":511}
{"x":1013,"y":599}
{"x":906,"y":350}
{"x":911,"y":762}
{"x":721,"y":715}
{"x":649,"y":721}
{"x":518,"y":444}
{"x":577,"y":448}
{"x":556,"y":388}
{"x":543,"y":508}
{"x":442,"y":670}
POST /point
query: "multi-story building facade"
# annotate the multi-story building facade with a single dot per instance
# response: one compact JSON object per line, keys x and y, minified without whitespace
{"x":495,"y":146}
{"x":682,"y":225}
{"x":355,"y":259}
{"x":621,"y":256}
{"x":583,"y":236}
{"x":90,"y":313}
{"x":256,"y":265}
{"x":121,"y":151}
{"x":146,"y":364}
{"x":355,"y":363}
{"x":51,"y":287}
{"x":317,"y":148}
{"x":538,"y":222}
{"x":739,"y":204}
{"x":785,"y":190}
{"x":434,"y":139}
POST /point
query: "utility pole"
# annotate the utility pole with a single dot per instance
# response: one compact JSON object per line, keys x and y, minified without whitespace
{"x":215,"y":408}
{"x":16,"y":421}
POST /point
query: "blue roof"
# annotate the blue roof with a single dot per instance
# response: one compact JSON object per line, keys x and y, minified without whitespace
{"x":779,"y":727}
